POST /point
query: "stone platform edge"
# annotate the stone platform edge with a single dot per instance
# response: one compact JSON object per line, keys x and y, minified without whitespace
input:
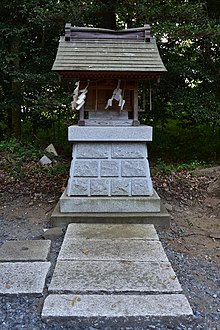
{"x":161,"y":218}
{"x":109,"y":204}
{"x":110,"y":133}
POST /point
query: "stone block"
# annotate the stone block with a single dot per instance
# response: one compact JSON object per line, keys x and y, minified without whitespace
{"x":36,"y":250}
{"x":111,"y":231}
{"x":88,"y":168}
{"x":78,"y":187}
{"x":109,"y":204}
{"x":23,"y":277}
{"x":45,"y":160}
{"x":141,"y":187}
{"x":51,"y":149}
{"x":61,"y":219}
{"x":121,"y":187}
{"x":109,"y":168}
{"x":114,"y":307}
{"x":108,"y":134}
{"x":114,"y":276}
{"x":99,"y":187}
{"x":134,"y":168}
{"x":93,"y":150}
{"x":53,"y":233}
{"x":112,"y":249}
{"x":108,"y":115}
{"x":129,"y":150}
{"x":106,"y":122}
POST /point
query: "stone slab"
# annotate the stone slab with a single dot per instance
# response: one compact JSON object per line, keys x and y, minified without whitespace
{"x":109,"y":204}
{"x":110,"y":122}
{"x":111,"y":231}
{"x":60,"y":219}
{"x":110,"y":115}
{"x":23,"y":277}
{"x":36,"y":250}
{"x":114,"y":306}
{"x":98,"y":133}
{"x":112,"y":249}
{"x":114,"y":276}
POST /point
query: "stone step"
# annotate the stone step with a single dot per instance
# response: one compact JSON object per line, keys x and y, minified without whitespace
{"x":23,"y":277}
{"x":113,"y":276}
{"x":61,"y":219}
{"x":100,"y":204}
{"x":111,"y":231}
{"x":110,"y":272}
{"x":27,"y":250}
{"x":112,"y":249}
{"x":95,"y":307}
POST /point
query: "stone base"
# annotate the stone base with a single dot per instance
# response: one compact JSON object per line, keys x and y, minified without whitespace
{"x":109,"y":204}
{"x":161,"y":218}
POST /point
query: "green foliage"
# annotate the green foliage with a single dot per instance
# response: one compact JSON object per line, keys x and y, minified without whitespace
{"x":57,"y":170}
{"x":188,"y":37}
{"x":21,"y":159}
{"x":18,"y":151}
{"x":178,"y":142}
{"x":16,"y":154}
{"x":164,"y":167}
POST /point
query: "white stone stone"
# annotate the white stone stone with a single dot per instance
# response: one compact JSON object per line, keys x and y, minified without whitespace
{"x":96,"y":150}
{"x":114,"y":306}
{"x":86,"y":168}
{"x":135,"y":168}
{"x":111,"y":231}
{"x":112,"y":249}
{"x":129,"y":150}
{"x":45,"y":160}
{"x":36,"y":250}
{"x":141,"y":187}
{"x":78,"y":187}
{"x":110,"y":168}
{"x":51,"y":150}
{"x":23,"y":277}
{"x":98,"y":133}
{"x":114,"y":276}
{"x":99,"y":187}
{"x":121,"y":187}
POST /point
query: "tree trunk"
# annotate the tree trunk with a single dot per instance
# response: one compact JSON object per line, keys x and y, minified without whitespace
{"x":15,"y":87}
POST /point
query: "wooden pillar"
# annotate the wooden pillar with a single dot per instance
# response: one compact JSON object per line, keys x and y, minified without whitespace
{"x":81,"y":121}
{"x":135,"y":105}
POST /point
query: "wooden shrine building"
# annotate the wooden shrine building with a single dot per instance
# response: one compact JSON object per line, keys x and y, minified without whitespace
{"x":103,"y":60}
{"x":109,"y":175}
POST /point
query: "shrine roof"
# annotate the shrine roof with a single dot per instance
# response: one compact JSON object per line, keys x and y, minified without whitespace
{"x":90,"y":51}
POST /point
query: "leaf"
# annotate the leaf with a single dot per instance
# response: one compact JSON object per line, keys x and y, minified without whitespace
{"x":85,"y":250}
{"x":173,"y":277}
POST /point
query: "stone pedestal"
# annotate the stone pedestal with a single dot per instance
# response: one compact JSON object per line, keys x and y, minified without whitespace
{"x":110,"y":175}
{"x":110,"y":162}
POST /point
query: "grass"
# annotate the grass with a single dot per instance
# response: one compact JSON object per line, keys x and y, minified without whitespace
{"x":19,"y":159}
{"x":163,"y":167}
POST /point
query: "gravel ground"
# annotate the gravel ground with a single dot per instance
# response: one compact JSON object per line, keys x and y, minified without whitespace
{"x":199,"y":278}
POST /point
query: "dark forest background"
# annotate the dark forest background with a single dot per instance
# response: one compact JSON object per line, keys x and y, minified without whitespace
{"x":35,"y":107}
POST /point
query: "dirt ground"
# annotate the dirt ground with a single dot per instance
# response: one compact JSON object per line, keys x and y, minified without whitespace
{"x":192,"y":199}
{"x":192,"y":242}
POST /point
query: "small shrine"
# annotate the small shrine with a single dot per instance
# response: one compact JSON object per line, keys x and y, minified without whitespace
{"x":109,"y":174}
